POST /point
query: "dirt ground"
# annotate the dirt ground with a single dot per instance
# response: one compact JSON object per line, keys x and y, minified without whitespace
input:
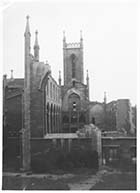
{"x":120,"y":181}
{"x":83,"y":179}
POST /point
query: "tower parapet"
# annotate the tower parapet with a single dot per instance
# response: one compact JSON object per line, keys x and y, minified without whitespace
{"x":73,"y":45}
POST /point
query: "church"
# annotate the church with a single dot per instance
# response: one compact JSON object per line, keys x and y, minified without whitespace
{"x":53,"y":107}
{"x":38,"y":107}
{"x":46,"y":106}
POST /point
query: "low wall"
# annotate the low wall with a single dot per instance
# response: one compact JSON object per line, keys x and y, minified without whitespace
{"x":56,"y":144}
{"x":67,"y":144}
{"x":115,"y":149}
{"x":39,"y":146}
{"x":125,"y":142}
{"x":45,"y":152}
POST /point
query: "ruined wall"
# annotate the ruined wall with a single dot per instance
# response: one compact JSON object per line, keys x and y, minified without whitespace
{"x":96,"y":112}
{"x":124,"y":116}
{"x":14,"y":115}
{"x":37,"y":94}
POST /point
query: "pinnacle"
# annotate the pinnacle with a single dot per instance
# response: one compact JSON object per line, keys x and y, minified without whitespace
{"x":36,"y":39}
{"x":27,"y":17}
{"x":27,"y":30}
{"x":81,"y":35}
{"x":64,"y":37}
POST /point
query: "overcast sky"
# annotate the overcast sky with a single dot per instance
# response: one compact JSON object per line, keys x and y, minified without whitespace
{"x":109,"y":35}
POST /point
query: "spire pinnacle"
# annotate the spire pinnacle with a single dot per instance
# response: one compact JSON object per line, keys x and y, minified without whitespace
{"x":36,"y":47}
{"x":12,"y":75}
{"x":59,"y":77}
{"x":36,"y":38}
{"x":64,"y":37}
{"x":87,"y":75}
{"x":105,"y":98}
{"x":87,"y":83}
{"x":81,"y":38}
{"x":59,"y":74}
{"x":87,"y":80}
{"x":27,"y":30}
{"x":47,"y":63}
{"x":5,"y":76}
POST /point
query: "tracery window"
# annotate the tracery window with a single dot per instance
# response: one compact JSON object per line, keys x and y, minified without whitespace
{"x":73,"y":61}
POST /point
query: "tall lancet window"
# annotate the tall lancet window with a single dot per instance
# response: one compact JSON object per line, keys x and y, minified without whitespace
{"x":73,"y":61}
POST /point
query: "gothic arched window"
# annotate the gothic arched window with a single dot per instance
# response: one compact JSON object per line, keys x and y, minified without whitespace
{"x":73,"y":62}
{"x":74,"y":102}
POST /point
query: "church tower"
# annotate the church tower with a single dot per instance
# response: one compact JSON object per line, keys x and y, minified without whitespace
{"x":73,"y":61}
{"x":75,"y":94}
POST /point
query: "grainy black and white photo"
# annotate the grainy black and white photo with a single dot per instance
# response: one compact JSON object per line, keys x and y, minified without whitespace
{"x":69,"y":95}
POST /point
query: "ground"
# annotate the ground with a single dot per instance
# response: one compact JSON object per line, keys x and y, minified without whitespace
{"x":120,"y":181}
{"x":84,"y":179}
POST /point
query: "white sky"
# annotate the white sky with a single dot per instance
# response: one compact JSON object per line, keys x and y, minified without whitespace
{"x":109,"y":33}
